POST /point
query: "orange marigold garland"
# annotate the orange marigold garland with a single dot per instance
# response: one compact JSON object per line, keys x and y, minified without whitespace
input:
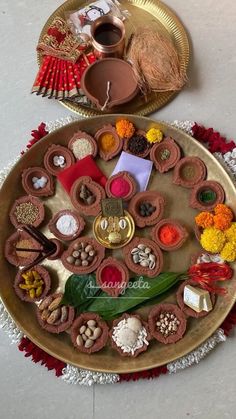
{"x":224,"y":210}
{"x":125,"y":128}
{"x":204,"y":219}
{"x":222,"y":221}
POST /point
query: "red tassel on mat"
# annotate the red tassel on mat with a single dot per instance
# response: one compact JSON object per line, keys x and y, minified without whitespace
{"x":230,"y":321}
{"x":153,"y":373}
{"x":216,"y":143}
{"x":38,"y":355}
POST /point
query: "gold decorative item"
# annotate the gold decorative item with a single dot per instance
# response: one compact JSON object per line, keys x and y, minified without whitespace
{"x":178,"y":198}
{"x":153,"y":14}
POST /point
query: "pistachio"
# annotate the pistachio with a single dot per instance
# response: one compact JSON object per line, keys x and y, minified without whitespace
{"x":89,"y":343}
{"x":82,"y":329}
{"x":79,"y":340}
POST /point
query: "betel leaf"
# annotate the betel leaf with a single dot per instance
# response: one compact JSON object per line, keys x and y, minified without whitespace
{"x":140,"y":290}
{"x":79,"y":289}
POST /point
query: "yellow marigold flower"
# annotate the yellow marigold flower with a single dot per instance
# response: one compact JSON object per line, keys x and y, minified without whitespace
{"x":154,"y":135}
{"x":125,"y":128}
{"x":228,"y":252}
{"x":204,"y":219}
{"x":224,"y":209}
{"x":231,"y":233}
{"x":212,"y":239}
{"x":222,"y":221}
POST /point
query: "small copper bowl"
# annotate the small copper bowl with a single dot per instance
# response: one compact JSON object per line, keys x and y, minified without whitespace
{"x":108,"y":37}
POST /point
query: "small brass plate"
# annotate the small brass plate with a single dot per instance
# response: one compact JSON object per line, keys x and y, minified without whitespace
{"x":102,"y":236}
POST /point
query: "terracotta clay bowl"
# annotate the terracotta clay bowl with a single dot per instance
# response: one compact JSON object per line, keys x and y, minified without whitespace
{"x":151,"y":197}
{"x":111,"y":290}
{"x":145,"y":153}
{"x":119,"y":73}
{"x":100,"y":254}
{"x":130,"y":181}
{"x":95,"y":188}
{"x":165,"y":155}
{"x":21,"y":258}
{"x":52,"y":225}
{"x":118,"y":348}
{"x":81,"y":321}
{"x":136,"y":267}
{"x":206,"y":187}
{"x":45,"y":277}
{"x":60,"y":325}
{"x":187,"y":310}
{"x":166,"y":308}
{"x":182,"y":232}
{"x":59,"y":248}
{"x":78,"y":136}
{"x":189,"y":171}
{"x":27,"y":176}
{"x":54,"y":151}
{"x":25,"y":200}
{"x":118,"y":143}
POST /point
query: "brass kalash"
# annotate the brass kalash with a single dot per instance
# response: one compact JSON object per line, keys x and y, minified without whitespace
{"x":114,"y":227}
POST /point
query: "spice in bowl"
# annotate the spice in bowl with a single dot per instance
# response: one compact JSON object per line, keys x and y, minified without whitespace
{"x":33,"y":284}
{"x":144,"y":256}
{"x":169,"y":234}
{"x":82,"y":145}
{"x":167,"y":323}
{"x":112,"y":276}
{"x":81,"y":255}
{"x":53,"y":315}
{"x":89,"y":333}
{"x":109,"y":142}
{"x":121,"y":185}
{"x":66,"y":225}
{"x":137,"y":145}
{"x":146,"y":209}
{"x":129,"y":335}
{"x":86,"y":195}
{"x":27,"y":210}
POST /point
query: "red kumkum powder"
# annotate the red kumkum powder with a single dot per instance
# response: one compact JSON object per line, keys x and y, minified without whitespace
{"x":169,"y":234}
{"x":120,"y":187}
{"x":111,"y":275}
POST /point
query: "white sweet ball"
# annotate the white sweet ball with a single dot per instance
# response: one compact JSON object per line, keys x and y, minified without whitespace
{"x":134,"y":324}
{"x":127,"y":337}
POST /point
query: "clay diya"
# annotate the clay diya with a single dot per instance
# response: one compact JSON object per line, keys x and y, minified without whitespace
{"x":112,"y":276}
{"x":169,"y":234}
{"x":109,"y":82}
{"x":146,"y":208}
{"x":32,"y":285}
{"x":27,"y":210}
{"x":59,"y":248}
{"x":165,"y":155}
{"x":129,"y":335}
{"x":66,"y":225}
{"x":188,"y":311}
{"x":21,"y":249}
{"x":138,"y":144}
{"x":162,"y":313}
{"x":54,"y":316}
{"x":143,"y":257}
{"x":83,"y":256}
{"x":206,"y":195}
{"x":89,"y":333}
{"x":82,"y":145}
{"x":37,"y":181}
{"x":121,"y":185}
{"x":87,"y":187}
{"x":189,"y":171}
{"x":109,"y":142}
{"x":57,"y":158}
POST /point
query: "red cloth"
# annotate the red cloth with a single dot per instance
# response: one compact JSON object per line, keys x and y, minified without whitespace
{"x":83,"y":167}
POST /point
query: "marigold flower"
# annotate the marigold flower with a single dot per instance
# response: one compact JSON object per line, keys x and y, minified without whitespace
{"x":125,"y":128}
{"x":204,"y":219}
{"x":222,"y":221}
{"x":212,"y":240}
{"x":224,"y":209}
{"x":231,"y":233}
{"x":154,"y":135}
{"x":228,"y":252}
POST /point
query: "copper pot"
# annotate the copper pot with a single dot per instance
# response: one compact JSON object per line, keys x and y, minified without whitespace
{"x":108,"y":37}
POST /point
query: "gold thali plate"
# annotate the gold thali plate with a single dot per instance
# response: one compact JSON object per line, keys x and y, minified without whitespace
{"x":154,"y":14}
{"x":108,"y":360}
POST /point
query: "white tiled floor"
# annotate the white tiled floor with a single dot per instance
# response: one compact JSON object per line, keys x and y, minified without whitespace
{"x":207,"y":391}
